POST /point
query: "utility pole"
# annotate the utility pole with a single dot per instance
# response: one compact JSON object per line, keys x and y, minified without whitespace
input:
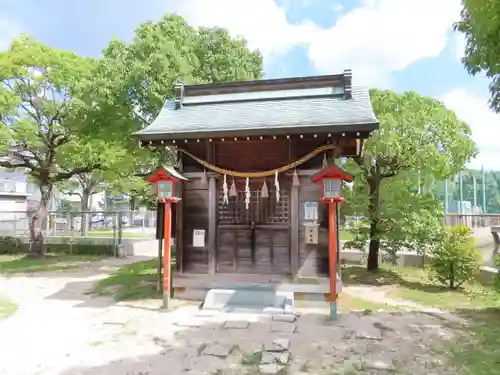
{"x":485,"y":208}
{"x":460,"y":210}
{"x":474,"y":186}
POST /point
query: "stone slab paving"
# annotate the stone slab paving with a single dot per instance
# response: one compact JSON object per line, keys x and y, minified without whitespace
{"x":145,"y":341}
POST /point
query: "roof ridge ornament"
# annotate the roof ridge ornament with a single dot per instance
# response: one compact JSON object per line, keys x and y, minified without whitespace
{"x":347,"y":84}
{"x":179,"y":94}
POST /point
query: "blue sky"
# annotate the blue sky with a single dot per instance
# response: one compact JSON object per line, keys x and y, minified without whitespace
{"x":396,"y":44}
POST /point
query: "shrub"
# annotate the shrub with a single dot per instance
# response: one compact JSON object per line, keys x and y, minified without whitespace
{"x":15,"y":245}
{"x":455,"y":258}
{"x":496,"y":280}
{"x":11,"y":245}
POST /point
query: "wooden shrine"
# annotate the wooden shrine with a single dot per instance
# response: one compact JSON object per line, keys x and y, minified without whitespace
{"x":249,"y":151}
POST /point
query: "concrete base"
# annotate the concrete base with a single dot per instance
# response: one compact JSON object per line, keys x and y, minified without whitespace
{"x":333,"y":311}
{"x":250,"y":299}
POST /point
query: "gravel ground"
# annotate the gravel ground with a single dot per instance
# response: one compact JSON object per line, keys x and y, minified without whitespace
{"x":59,"y":330}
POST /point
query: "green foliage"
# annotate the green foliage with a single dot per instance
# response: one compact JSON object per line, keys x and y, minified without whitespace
{"x":455,"y":259}
{"x":418,"y":140}
{"x":496,"y":280}
{"x":44,"y":119}
{"x":480,"y":24}
{"x":135,"y":79}
{"x":10,"y":245}
{"x":13,"y":245}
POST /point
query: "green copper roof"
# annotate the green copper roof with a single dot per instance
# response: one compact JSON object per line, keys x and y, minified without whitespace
{"x":317,"y":109}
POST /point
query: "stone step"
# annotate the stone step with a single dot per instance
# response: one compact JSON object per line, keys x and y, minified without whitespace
{"x":247,"y":299}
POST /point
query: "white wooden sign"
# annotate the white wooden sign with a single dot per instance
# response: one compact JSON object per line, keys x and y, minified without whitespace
{"x":198,"y":237}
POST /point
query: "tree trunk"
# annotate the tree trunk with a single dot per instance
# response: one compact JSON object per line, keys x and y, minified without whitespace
{"x":86,"y":224}
{"x":37,"y":223}
{"x":374,"y":245}
{"x":373,"y":248}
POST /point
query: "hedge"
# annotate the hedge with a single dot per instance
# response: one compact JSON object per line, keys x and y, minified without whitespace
{"x":14,"y":245}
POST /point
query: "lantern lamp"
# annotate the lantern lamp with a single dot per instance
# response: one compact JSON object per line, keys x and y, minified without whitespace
{"x":167,"y":182}
{"x":331,"y":178}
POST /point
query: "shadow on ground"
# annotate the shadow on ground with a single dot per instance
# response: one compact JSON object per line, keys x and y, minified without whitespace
{"x":316,"y":346}
{"x":358,"y":275}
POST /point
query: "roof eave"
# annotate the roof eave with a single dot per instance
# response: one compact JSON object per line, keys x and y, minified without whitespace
{"x":304,"y":129}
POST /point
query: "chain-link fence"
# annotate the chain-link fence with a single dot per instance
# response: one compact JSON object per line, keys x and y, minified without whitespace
{"x":72,"y":229}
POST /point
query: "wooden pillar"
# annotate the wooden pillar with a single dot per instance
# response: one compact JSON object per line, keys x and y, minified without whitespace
{"x":294,"y":230}
{"x":179,"y":233}
{"x":332,"y":257}
{"x":212,"y":224}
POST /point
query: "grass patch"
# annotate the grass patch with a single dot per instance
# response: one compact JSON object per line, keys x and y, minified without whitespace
{"x":345,"y":235}
{"x":414,"y":284}
{"x":7,"y":307}
{"x":348,"y":303}
{"x":131,"y":282}
{"x":12,"y":264}
{"x":476,"y":349}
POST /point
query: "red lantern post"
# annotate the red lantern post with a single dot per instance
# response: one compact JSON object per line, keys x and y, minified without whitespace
{"x":167,"y":184}
{"x":331,"y":178}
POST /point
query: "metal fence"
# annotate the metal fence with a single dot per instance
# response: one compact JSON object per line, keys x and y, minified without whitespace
{"x":473,"y":220}
{"x":96,"y":227}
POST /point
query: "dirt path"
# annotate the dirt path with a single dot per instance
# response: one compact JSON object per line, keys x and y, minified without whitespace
{"x":59,"y":330}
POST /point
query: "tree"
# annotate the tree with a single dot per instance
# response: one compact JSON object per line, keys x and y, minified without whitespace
{"x":418,"y":138}
{"x":137,"y":78}
{"x":481,"y":27}
{"x":117,"y":165}
{"x":41,"y":119}
{"x":169,"y":51}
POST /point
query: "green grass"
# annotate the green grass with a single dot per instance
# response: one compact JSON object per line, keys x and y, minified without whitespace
{"x":131,"y":282}
{"x":345,"y":235}
{"x":12,"y":264}
{"x":7,"y":308}
{"x":414,"y":284}
{"x":348,"y":303}
{"x":476,"y":349}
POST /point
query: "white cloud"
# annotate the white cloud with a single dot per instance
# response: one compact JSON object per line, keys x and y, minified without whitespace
{"x":262,"y":22}
{"x":8,"y":31}
{"x":383,"y":36}
{"x":459,"y":45}
{"x":374,"y":39}
{"x":485,"y":125}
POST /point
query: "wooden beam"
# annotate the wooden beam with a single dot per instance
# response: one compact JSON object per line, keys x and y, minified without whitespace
{"x":294,"y":230}
{"x":212,"y":224}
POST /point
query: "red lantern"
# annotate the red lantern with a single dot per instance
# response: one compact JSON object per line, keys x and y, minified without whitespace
{"x":167,"y":184}
{"x":331,"y":178}
{"x":167,"y":181}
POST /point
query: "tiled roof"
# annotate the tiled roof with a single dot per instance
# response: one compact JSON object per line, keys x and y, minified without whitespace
{"x":247,"y":113}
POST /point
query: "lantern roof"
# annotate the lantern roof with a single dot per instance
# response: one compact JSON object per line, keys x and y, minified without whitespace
{"x":166,"y":173}
{"x":332,"y":171}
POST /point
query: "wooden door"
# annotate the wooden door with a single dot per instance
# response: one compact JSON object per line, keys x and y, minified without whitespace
{"x":254,"y":240}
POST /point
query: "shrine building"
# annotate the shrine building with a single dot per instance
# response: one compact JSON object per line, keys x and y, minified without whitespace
{"x":249,"y":151}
